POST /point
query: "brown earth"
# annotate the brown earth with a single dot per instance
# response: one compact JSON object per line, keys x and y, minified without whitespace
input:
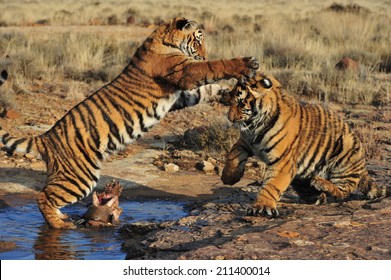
{"x":216,"y":227}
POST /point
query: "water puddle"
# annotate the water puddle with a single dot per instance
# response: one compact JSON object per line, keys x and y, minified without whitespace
{"x":25,"y":226}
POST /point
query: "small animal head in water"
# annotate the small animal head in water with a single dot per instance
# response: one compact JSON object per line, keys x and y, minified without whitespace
{"x":102,"y":214}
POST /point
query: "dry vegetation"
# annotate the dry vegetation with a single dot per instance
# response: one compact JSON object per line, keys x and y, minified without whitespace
{"x":80,"y":45}
{"x":299,"y":43}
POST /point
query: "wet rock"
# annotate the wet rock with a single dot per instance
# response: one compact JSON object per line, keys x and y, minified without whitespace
{"x":134,"y":247}
{"x":188,"y":221}
{"x":138,"y":228}
{"x":7,"y":246}
{"x":136,"y":242}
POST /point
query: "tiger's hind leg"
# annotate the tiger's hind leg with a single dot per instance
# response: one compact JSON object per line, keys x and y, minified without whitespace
{"x":341,"y":189}
{"x":307,"y":193}
{"x":52,"y":213}
{"x":57,"y":194}
{"x":338,"y":190}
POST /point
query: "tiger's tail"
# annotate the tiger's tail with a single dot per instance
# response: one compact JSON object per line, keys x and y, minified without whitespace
{"x":13,"y":144}
{"x":26,"y":145}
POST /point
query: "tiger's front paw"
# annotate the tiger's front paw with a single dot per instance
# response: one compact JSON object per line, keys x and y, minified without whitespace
{"x":252,"y":65}
{"x":264,"y":208}
{"x":263,"y":211}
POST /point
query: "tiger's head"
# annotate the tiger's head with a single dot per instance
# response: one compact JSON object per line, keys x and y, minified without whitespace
{"x":186,"y":36}
{"x":251,"y":98}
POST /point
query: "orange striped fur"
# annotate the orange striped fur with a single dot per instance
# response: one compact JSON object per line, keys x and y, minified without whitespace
{"x":171,"y":59}
{"x":304,"y":145}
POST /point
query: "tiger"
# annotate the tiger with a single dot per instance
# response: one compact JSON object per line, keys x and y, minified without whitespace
{"x":171,"y":60}
{"x":307,"y":146}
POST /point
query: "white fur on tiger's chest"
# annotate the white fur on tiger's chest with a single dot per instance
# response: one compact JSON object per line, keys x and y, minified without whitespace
{"x":165,"y":104}
{"x":151,"y":116}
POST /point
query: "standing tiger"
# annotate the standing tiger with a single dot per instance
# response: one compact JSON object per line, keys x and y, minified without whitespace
{"x":304,"y":145}
{"x":171,"y":59}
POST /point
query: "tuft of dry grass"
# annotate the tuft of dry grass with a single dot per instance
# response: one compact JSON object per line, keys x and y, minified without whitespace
{"x":213,"y":139}
{"x":372,"y":140}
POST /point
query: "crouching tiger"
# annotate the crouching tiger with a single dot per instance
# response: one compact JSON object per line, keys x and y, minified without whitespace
{"x":304,"y":145}
{"x":171,"y":59}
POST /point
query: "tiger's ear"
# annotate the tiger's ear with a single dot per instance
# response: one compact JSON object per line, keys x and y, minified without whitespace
{"x":185,"y":24}
{"x":266,"y":83}
{"x":259,"y":85}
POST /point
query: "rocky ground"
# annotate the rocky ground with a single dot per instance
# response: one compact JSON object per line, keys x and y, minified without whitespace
{"x":166,"y":164}
{"x":219,"y":229}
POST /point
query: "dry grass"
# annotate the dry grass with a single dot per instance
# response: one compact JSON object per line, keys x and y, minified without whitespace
{"x":89,"y":42}
{"x":371,"y":139}
{"x":300,"y":45}
{"x":215,"y":139}
{"x":56,"y":55}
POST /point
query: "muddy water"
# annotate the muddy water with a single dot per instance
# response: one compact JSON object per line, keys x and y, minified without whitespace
{"x":24,"y":225}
